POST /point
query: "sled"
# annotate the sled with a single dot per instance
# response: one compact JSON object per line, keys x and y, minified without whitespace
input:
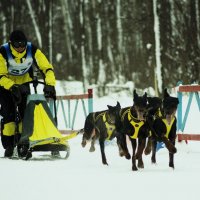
{"x":39,"y":130}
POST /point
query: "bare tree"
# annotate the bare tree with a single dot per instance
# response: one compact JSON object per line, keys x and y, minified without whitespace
{"x":97,"y":41}
{"x":67,"y":22}
{"x":157,"y":49}
{"x":50,"y":35}
{"x":83,"y":56}
{"x":35,"y":25}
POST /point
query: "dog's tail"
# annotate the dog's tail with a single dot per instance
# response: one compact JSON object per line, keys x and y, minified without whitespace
{"x":81,"y":131}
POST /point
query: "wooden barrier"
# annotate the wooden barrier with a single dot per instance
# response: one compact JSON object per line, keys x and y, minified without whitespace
{"x":69,"y":115}
{"x":181,"y":119}
{"x":186,"y":137}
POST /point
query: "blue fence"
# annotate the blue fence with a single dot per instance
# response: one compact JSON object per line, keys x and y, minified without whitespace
{"x":69,"y":112}
{"x":193,"y":91}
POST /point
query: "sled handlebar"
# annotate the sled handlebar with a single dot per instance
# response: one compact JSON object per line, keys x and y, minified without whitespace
{"x":35,"y":84}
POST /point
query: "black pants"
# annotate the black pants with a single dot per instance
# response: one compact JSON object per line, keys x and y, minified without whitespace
{"x":8,"y":113}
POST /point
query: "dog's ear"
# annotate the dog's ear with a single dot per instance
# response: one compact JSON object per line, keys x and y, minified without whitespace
{"x":166,"y":94}
{"x":145,"y":96}
{"x":109,"y":107}
{"x":149,"y":100}
{"x":135,"y":95}
{"x":118,"y":105}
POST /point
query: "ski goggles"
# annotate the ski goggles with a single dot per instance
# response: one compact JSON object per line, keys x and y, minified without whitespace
{"x":18,"y":44}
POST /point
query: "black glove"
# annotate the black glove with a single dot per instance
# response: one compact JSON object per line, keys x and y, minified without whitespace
{"x":24,"y":89}
{"x":49,"y":91}
{"x":15,"y":91}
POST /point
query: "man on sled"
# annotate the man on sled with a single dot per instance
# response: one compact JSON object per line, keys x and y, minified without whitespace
{"x":18,"y":58}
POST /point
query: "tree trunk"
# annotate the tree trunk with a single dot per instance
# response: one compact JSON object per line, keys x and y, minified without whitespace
{"x":66,"y":19}
{"x":158,"y":73}
{"x":35,"y":25}
{"x":50,"y":30}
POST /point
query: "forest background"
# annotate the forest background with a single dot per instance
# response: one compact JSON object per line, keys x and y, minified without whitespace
{"x":152,"y":43}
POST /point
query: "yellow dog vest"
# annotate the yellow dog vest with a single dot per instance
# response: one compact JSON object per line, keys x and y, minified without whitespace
{"x":110,"y":127}
{"x":136,"y":124}
{"x":168,"y":126}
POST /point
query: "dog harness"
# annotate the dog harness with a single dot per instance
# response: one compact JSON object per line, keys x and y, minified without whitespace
{"x":18,"y":69}
{"x":137,"y":124}
{"x":168,"y":126}
{"x":98,"y":116}
{"x":110,"y":126}
{"x":158,"y":114}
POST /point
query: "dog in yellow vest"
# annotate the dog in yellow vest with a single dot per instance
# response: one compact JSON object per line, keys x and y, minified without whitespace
{"x":133,"y":125}
{"x":153,"y":112}
{"x":164,"y":127}
{"x":102,"y":126}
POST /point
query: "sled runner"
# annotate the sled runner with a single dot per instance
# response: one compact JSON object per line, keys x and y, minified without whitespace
{"x":39,"y":130}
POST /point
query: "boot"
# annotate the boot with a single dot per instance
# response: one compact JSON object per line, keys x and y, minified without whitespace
{"x":22,"y":150}
{"x":9,"y":152}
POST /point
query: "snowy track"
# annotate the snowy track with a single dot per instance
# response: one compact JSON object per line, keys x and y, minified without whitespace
{"x":83,"y":176}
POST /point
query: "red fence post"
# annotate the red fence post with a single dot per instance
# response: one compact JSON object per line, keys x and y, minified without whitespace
{"x":90,"y":100}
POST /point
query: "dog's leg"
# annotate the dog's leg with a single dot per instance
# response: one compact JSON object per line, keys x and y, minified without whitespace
{"x":134,"y":168}
{"x":121,"y":152}
{"x":147,"y":150}
{"x":122,"y":144}
{"x":171,"y":155}
{"x":88,"y":129}
{"x":133,"y":143}
{"x":153,"y":157}
{"x":141,"y":146}
{"x":93,"y":137}
{"x":92,"y":147}
{"x":102,"y":146}
{"x":171,"y":160}
{"x":169,"y":145}
{"x":140,"y":163}
{"x":84,"y":141}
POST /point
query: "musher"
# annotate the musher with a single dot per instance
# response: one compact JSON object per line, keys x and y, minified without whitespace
{"x":18,"y":58}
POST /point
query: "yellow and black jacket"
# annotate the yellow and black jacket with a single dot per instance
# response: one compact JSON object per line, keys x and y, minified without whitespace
{"x":37,"y":59}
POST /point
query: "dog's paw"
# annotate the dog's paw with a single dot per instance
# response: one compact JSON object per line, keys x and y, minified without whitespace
{"x":147,"y":151}
{"x":121,"y":154}
{"x":171,"y":164}
{"x":104,"y":162}
{"x":153,"y":159}
{"x":175,"y":150}
{"x":92,"y":149}
{"x":128,"y":156}
{"x":134,"y":168}
{"x":83,"y":143}
{"x":140,"y":164}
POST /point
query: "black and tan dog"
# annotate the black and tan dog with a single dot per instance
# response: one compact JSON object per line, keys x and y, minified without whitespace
{"x":164,"y":127}
{"x":134,"y":126}
{"x":153,"y":112}
{"x":102,"y":126}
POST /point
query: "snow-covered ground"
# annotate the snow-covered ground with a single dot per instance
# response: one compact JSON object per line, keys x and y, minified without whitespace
{"x":83,"y":177}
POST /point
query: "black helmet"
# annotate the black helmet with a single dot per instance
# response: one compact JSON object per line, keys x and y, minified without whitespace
{"x":18,"y":39}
